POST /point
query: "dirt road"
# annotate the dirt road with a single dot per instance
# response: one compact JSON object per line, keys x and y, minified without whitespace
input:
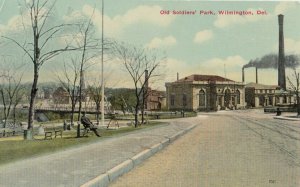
{"x":230,"y":149}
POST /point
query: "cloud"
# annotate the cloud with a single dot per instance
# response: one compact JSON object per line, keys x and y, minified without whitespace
{"x":291,"y":46}
{"x":230,"y":67}
{"x":203,"y":36}
{"x":174,"y":66}
{"x":223,"y":21}
{"x":284,"y":7}
{"x":215,"y":66}
{"x":14,"y":24}
{"x":115,"y":25}
{"x":162,"y":42}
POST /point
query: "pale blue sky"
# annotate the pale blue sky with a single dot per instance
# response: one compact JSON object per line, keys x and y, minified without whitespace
{"x":194,"y":44}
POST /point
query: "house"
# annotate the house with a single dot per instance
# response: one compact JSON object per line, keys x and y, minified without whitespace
{"x":155,"y":100}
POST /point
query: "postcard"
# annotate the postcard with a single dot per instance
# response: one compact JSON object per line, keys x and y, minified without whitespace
{"x":149,"y":93}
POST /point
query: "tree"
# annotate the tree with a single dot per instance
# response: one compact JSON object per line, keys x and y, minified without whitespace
{"x":39,"y":51}
{"x":95,"y":94}
{"x":70,"y":84}
{"x":10,"y":89}
{"x":122,"y":99}
{"x":136,"y":62}
{"x":295,"y":85}
{"x":90,"y":49}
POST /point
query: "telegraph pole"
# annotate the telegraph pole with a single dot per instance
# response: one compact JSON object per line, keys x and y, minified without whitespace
{"x":102,"y":70}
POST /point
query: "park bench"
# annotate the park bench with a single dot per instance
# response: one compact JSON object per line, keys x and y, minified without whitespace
{"x":83,"y":131}
{"x":50,"y":130}
{"x":86,"y":129}
{"x":6,"y":132}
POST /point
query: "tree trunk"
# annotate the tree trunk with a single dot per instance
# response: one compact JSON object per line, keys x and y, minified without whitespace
{"x":136,"y":114}
{"x":298,"y":104}
{"x":29,"y":132}
{"x":72,"y":114}
{"x":98,"y":112}
{"x":80,"y":106}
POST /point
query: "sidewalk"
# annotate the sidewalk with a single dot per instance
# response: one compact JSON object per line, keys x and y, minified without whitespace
{"x":77,"y":166}
{"x":287,"y":118}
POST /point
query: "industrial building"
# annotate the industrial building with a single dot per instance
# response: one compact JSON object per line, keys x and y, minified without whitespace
{"x":205,"y":93}
{"x":259,"y":95}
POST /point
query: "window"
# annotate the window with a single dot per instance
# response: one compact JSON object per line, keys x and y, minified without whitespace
{"x":172,"y":100}
{"x":201,"y":98}
{"x":238,"y":97}
{"x":184,"y":100}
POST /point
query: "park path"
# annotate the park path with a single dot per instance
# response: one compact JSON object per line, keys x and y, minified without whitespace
{"x":229,"y":149}
{"x":76,"y":166}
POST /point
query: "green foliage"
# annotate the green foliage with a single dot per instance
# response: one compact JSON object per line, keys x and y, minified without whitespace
{"x":122,"y":99}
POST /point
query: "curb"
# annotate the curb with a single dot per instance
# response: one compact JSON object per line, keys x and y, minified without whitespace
{"x":103,"y":180}
{"x":286,"y":118}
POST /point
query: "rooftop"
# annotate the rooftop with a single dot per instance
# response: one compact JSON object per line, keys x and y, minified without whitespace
{"x":196,"y":77}
{"x":261,"y":86}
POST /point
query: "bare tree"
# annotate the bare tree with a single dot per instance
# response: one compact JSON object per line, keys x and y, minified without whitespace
{"x":39,"y":50}
{"x":10,"y":88}
{"x":20,"y":92}
{"x":136,"y":61}
{"x":295,"y":85}
{"x":90,"y":47}
{"x":69,"y":81}
{"x":94,"y":92}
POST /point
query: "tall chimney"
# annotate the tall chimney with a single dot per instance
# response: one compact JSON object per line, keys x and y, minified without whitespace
{"x":281,"y":57}
{"x":243,"y":74}
{"x":256,"y":74}
{"x":146,"y":79}
{"x":177,"y":76}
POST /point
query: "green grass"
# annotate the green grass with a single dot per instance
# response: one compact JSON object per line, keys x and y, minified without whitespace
{"x":13,"y":149}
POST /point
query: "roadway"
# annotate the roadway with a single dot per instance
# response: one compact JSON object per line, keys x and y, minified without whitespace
{"x":234,"y":149}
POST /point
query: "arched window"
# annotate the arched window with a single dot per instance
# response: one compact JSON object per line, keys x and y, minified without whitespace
{"x":201,"y":98}
{"x":227,"y":98}
{"x":184,"y":100}
{"x":172,"y":100}
{"x":238,"y":97}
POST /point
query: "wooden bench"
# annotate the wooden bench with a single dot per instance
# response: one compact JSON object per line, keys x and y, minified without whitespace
{"x":6,"y":132}
{"x":86,"y":129}
{"x":49,"y":131}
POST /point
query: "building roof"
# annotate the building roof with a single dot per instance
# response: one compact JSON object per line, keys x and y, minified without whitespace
{"x":196,"y":77}
{"x":261,"y":86}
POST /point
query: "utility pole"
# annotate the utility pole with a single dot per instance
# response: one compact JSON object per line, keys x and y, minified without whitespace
{"x":102,"y":70}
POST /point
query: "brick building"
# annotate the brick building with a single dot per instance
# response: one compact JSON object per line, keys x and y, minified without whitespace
{"x":156,"y":100}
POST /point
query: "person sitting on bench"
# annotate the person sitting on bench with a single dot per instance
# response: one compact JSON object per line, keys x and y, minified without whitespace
{"x":86,"y":122}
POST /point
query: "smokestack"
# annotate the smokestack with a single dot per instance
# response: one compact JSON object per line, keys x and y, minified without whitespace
{"x":177,"y":76}
{"x":243,"y":74}
{"x":256,"y":75}
{"x":281,"y":57}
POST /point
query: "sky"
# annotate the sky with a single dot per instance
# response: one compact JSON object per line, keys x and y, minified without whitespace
{"x":212,"y":44}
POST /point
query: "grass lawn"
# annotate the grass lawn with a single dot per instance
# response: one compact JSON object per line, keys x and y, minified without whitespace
{"x":15,"y":148}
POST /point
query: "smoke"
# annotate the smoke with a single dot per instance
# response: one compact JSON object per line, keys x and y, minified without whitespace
{"x":271,"y":61}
